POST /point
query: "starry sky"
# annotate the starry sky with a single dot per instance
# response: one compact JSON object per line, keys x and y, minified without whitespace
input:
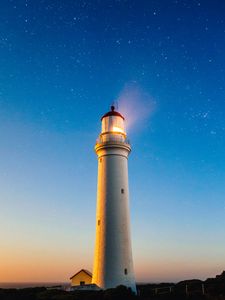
{"x":62,"y":64}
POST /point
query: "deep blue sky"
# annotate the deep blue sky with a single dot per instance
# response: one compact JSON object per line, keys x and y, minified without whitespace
{"x":62,"y":64}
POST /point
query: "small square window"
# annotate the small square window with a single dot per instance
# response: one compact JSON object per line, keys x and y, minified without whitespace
{"x":122,"y":191}
{"x":82,"y":282}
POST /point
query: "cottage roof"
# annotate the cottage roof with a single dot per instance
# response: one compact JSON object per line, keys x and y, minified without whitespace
{"x":84,"y":270}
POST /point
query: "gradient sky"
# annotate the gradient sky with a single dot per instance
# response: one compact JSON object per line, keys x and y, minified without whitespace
{"x":62,"y":64}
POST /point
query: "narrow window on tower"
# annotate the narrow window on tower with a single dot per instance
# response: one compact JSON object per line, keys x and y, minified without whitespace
{"x":122,"y":191}
{"x":99,"y":222}
{"x":100,"y":160}
{"x":125,"y":271}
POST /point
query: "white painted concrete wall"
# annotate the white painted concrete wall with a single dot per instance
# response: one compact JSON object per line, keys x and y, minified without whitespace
{"x":113,"y":252}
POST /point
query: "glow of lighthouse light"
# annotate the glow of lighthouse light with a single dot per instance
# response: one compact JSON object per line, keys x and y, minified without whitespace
{"x":117,"y":129}
{"x":136,"y":105}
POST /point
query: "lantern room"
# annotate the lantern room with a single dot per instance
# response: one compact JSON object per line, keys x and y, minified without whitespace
{"x":113,"y":128}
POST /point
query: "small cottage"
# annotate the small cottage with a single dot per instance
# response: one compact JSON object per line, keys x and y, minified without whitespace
{"x":83,"y":277}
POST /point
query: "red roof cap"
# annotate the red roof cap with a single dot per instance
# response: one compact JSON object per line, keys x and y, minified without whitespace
{"x":112,"y":112}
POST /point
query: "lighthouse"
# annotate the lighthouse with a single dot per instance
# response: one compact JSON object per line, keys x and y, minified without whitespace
{"x":113,"y":263}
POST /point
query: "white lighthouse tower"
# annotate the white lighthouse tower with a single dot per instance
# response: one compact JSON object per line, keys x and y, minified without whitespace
{"x":113,"y":263}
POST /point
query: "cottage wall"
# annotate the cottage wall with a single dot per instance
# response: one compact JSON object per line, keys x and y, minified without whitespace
{"x":81,"y":278}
